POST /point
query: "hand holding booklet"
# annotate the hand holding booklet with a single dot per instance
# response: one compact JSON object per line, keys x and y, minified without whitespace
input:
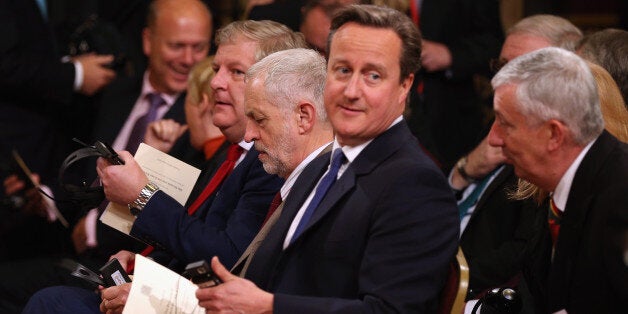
{"x":157,"y":289}
{"x":173,"y":177}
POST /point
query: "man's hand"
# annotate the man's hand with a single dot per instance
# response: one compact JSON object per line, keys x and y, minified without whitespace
{"x":122,"y":183}
{"x":124,"y":257}
{"x":114,"y":298}
{"x":96,"y":74}
{"x":163,"y":133}
{"x":234,"y":295}
{"x":483,"y":159}
{"x":34,"y":202}
{"x":435,"y":56}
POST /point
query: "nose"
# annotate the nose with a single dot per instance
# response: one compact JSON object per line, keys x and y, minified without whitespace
{"x":251,"y":133}
{"x":353,"y":88}
{"x":218,"y":81}
{"x":494,"y":136}
{"x":188,"y":56}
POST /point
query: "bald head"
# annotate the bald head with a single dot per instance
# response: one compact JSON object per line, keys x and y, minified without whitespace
{"x":177,"y":36}
{"x":188,"y":8}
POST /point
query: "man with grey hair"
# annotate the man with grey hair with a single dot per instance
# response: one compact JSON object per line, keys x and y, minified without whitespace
{"x":549,"y":126}
{"x":498,"y":233}
{"x":287,"y":120}
{"x":539,"y":31}
{"x":609,"y":49}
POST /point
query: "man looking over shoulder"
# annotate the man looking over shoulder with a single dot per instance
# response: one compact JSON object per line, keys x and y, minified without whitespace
{"x":375,"y":230}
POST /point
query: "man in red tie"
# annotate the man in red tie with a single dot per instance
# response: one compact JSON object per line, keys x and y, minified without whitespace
{"x":549,"y":126}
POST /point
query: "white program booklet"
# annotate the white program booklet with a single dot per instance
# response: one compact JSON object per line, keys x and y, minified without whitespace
{"x":173,"y":176}
{"x":157,"y":289}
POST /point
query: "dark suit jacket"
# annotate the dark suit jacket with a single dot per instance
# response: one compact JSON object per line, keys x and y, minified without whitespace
{"x":223,"y":226}
{"x":500,"y":235}
{"x":36,"y":88}
{"x":380,"y":240}
{"x":447,"y":118}
{"x":589,"y":273}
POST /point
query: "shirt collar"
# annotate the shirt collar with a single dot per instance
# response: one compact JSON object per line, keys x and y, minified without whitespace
{"x":352,"y":152}
{"x":561,"y":192}
{"x":147,"y":88}
{"x":287,"y":186}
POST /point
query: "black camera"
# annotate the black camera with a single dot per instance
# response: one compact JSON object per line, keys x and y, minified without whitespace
{"x":201,"y":274}
{"x":499,"y":301}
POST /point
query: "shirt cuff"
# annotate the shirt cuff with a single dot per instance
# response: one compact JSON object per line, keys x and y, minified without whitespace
{"x":90,"y":227}
{"x":78,"y":75}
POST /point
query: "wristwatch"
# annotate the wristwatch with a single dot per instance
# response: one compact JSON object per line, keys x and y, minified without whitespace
{"x":463,"y":173}
{"x":145,"y":194}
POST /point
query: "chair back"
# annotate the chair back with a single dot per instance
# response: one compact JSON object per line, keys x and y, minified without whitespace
{"x":452,"y":297}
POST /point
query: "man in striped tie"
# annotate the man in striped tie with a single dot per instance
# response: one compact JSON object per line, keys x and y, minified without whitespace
{"x":550,"y":128}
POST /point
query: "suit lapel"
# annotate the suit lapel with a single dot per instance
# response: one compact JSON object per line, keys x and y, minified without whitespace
{"x":265,"y":259}
{"x":376,"y":152}
{"x":579,"y":202}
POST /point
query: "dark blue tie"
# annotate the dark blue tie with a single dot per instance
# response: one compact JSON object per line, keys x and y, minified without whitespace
{"x":327,"y":181}
{"x":139,"y":129}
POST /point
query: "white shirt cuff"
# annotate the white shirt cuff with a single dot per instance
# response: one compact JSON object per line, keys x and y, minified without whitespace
{"x":90,"y":227}
{"x":78,"y":75}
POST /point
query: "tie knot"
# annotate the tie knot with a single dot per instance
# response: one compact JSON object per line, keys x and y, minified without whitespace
{"x":155,"y":100}
{"x":337,"y":159}
{"x":554,"y":212}
{"x":234,"y":152}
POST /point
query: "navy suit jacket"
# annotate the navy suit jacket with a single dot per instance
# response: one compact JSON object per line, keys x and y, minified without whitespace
{"x":588,"y":273}
{"x":380,"y":241}
{"x":223,"y":226}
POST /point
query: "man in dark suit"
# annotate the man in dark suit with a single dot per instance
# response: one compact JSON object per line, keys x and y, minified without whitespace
{"x":550,"y":128}
{"x":38,"y":91}
{"x":381,"y":237}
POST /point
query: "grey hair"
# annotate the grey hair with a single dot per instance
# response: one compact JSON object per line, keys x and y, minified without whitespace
{"x":559,"y":31}
{"x":270,"y":36}
{"x":553,"y":83}
{"x":291,"y":76}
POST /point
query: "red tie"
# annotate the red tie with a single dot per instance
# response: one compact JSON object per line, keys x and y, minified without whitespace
{"x":414,"y":12}
{"x":273,"y":206}
{"x":233,"y":154}
{"x":553,"y":220}
{"x":225,"y":169}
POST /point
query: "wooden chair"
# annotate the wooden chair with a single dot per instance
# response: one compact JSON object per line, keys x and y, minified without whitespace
{"x":452,"y":298}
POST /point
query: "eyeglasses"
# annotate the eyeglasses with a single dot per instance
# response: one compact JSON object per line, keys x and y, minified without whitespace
{"x":497,"y":64}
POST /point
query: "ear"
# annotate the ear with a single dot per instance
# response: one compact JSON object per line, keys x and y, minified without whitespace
{"x":558,"y":133}
{"x":406,"y":84}
{"x":306,"y":117}
{"x":146,"y":37}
